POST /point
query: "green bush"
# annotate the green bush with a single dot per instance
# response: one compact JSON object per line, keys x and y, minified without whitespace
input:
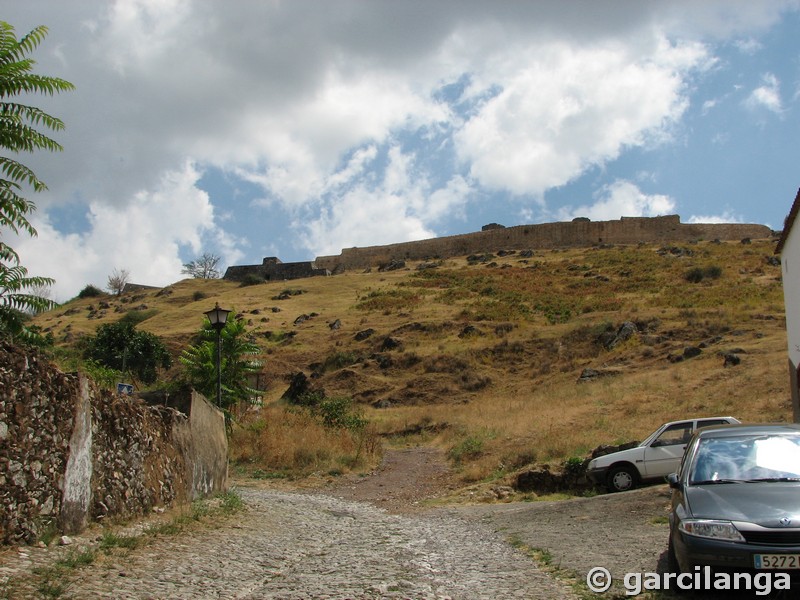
{"x":339,"y":360}
{"x":338,"y":413}
{"x":251,"y":279}
{"x":468,"y":448}
{"x":91,"y":291}
{"x":388,"y":300}
{"x":134,"y":317}
{"x":697,"y":274}
{"x":105,"y":377}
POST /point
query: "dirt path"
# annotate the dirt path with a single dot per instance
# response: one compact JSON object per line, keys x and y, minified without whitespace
{"x":405,"y":478}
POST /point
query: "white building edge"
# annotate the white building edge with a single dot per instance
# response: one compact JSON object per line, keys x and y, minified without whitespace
{"x":789,"y":249}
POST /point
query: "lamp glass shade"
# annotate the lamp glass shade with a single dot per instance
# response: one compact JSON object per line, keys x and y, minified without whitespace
{"x":218,"y":316}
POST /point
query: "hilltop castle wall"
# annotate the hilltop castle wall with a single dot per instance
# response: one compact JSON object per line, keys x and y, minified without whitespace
{"x":272,"y":269}
{"x":578,"y":233}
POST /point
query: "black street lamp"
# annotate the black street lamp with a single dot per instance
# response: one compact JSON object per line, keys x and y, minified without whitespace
{"x":218,"y":317}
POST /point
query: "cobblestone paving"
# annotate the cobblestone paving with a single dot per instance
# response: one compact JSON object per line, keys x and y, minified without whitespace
{"x":303,"y":546}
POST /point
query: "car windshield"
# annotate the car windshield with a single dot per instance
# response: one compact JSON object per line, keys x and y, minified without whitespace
{"x":746,"y":458}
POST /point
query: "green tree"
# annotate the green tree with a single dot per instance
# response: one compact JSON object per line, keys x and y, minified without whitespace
{"x":237,"y":352}
{"x":19,"y":133}
{"x":121,"y":347}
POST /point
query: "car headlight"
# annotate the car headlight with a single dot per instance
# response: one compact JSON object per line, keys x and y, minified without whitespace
{"x":716,"y":530}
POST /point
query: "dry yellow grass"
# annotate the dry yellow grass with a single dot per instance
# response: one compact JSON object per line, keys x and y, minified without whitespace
{"x":490,"y":355}
{"x":285,"y":442}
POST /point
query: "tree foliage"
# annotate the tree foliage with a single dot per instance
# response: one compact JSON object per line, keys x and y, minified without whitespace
{"x":19,"y":133}
{"x":237,"y":353}
{"x":205,"y":267}
{"x":121,"y":347}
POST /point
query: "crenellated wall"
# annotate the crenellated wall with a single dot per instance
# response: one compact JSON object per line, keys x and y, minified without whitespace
{"x":71,"y":453}
{"x":577,"y":233}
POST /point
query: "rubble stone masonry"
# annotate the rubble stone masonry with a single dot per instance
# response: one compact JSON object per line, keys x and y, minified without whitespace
{"x":71,"y":453}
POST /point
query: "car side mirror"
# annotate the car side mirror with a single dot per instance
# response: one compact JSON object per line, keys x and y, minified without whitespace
{"x":674,"y":483}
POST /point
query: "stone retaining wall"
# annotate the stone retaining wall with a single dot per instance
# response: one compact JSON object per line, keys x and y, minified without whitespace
{"x":71,"y":453}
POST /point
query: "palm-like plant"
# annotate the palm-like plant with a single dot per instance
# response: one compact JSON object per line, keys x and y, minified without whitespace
{"x":19,"y":133}
{"x":238,"y":363}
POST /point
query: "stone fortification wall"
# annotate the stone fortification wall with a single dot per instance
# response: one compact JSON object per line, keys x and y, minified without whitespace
{"x":71,"y":453}
{"x":581,"y":232}
{"x":272,"y":269}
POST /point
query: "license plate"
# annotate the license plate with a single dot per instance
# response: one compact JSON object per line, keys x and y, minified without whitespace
{"x":777,"y":561}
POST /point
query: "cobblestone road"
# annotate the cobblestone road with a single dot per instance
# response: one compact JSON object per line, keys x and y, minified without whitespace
{"x":301,"y":546}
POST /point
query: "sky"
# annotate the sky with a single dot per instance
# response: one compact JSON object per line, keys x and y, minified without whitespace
{"x":248,"y":129}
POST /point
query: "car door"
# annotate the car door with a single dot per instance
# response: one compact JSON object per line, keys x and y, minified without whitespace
{"x":663,"y":455}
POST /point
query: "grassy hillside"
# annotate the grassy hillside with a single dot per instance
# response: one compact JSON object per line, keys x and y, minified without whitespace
{"x":482,"y":355}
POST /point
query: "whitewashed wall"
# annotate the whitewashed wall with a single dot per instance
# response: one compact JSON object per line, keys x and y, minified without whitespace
{"x":790,"y":266}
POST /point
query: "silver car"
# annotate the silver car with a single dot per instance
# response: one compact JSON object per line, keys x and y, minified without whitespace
{"x":736,"y":501}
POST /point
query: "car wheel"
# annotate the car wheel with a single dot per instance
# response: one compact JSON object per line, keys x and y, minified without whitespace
{"x":672,"y":560}
{"x":674,"y":567}
{"x":621,"y":479}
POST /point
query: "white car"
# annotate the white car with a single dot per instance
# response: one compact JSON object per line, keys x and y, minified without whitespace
{"x":652,"y":460}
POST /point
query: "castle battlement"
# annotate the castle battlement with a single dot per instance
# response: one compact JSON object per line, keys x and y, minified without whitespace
{"x":572,"y":234}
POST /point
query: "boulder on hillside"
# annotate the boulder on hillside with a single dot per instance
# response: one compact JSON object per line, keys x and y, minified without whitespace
{"x":364,"y":334}
{"x":390,"y":343}
{"x":393,"y":265}
{"x":612,"y":339}
{"x":299,"y":386}
{"x":730,"y":359}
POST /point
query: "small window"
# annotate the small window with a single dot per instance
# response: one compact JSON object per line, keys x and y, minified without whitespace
{"x":712,"y":422}
{"x":679,"y":433}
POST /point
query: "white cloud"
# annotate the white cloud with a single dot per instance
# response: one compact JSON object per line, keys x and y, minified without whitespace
{"x":563,"y":109}
{"x":143,"y":237}
{"x":397,"y":208}
{"x":364,"y":217}
{"x":621,"y":199}
{"x":749,"y":46}
{"x":766,"y":96}
{"x":725,"y":217}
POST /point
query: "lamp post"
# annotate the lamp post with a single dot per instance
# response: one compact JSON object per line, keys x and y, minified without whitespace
{"x":218,"y":317}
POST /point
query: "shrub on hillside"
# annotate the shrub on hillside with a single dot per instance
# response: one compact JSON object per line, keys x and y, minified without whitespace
{"x":339,"y":360}
{"x":91,"y":291}
{"x":697,"y":274}
{"x":251,"y":279}
{"x":134,"y":317}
